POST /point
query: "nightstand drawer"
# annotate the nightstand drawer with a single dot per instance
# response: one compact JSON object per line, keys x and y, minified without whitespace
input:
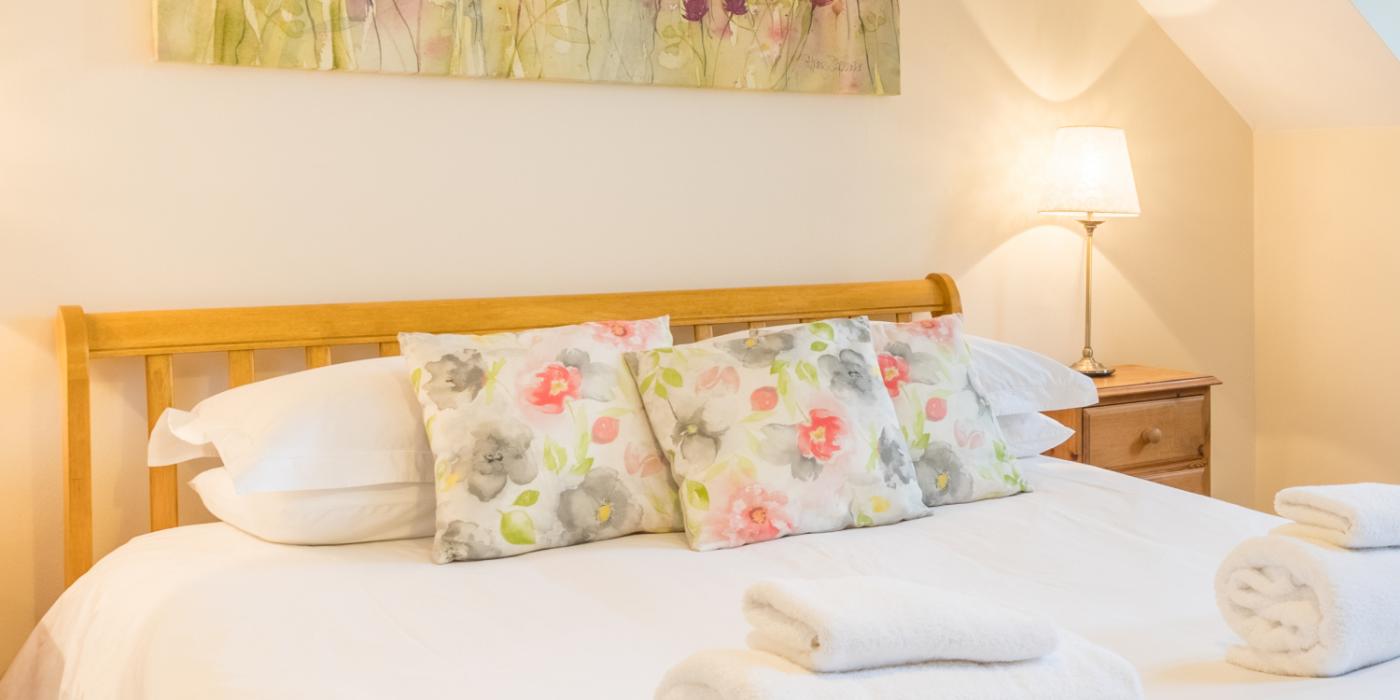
{"x":1128,"y":435}
{"x":1193,"y":480}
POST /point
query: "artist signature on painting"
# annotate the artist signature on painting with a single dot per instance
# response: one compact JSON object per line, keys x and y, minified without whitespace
{"x":826,"y":64}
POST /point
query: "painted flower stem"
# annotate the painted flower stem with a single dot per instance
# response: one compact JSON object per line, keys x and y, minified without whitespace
{"x":870,"y":59}
{"x":801,"y":46}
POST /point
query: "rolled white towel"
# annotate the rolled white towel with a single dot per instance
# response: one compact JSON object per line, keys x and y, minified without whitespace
{"x":1077,"y":670}
{"x":1357,"y":516}
{"x":858,"y":622}
{"x":1310,"y":608}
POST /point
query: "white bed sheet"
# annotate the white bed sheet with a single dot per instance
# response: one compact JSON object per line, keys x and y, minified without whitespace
{"x":206,"y":611}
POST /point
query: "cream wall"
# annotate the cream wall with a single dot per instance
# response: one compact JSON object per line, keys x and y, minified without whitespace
{"x":129,"y":185}
{"x":1326,"y":247}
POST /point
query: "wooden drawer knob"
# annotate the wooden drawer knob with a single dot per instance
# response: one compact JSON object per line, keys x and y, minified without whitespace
{"x":1152,"y":436}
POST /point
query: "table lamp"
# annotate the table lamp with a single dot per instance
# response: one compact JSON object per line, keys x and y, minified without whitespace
{"x":1090,"y":179}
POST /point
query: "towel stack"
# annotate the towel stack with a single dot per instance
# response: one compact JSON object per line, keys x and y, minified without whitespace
{"x":1319,"y":596}
{"x":866,"y":637}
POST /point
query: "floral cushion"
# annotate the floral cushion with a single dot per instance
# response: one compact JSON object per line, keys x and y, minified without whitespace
{"x":539,"y":438}
{"x":958,"y":449}
{"x":777,"y":433}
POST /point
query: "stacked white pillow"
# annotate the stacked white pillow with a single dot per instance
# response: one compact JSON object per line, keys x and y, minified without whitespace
{"x":327,"y":456}
{"x":1031,"y":434}
{"x":1022,"y":383}
{"x":322,"y":516}
{"x":1016,"y":380}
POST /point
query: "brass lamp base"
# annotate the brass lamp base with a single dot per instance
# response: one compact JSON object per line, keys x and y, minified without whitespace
{"x":1087,"y":364}
{"x":1092,"y":367}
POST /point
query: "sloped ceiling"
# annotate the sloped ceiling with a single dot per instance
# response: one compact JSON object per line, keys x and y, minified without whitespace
{"x":1289,"y":64}
{"x":1384,"y":16}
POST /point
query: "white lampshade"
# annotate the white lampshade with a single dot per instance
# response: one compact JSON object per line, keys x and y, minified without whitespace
{"x":1091,"y":175}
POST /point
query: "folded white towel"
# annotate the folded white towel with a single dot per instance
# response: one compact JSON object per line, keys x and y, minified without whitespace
{"x":852,"y":623}
{"x":1348,"y":515}
{"x":1308,"y":608}
{"x":1077,"y":670}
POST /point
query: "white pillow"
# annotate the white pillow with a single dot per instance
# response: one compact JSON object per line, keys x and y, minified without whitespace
{"x":1031,"y":434}
{"x":341,"y":426}
{"x":1017,"y":380}
{"x":333,"y":516}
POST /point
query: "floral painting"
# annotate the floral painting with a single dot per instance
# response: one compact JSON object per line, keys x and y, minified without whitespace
{"x":821,"y":46}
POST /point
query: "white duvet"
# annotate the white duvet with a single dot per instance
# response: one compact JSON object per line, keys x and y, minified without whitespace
{"x":208,"y":612}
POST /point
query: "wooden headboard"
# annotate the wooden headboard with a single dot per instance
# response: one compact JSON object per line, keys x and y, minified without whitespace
{"x":160,"y":335}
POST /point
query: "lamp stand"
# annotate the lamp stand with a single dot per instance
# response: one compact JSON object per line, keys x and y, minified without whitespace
{"x":1087,"y":364}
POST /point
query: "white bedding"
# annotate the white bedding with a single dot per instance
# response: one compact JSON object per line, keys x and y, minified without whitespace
{"x":206,"y":611}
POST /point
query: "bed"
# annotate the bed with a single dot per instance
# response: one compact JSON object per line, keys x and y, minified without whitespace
{"x":207,"y":611}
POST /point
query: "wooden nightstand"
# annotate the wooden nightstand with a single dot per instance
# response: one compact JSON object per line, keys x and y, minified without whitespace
{"x":1150,"y":423}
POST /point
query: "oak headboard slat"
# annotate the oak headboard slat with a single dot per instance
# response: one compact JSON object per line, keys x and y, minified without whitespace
{"x":159,"y":335}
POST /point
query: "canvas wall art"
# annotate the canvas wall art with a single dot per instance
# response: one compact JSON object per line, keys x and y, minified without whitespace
{"x":822,"y":46}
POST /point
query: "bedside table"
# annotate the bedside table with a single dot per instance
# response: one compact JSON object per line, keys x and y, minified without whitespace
{"x":1150,"y":423}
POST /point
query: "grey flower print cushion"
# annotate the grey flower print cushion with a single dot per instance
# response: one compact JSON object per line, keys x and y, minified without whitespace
{"x":947,"y":424}
{"x":500,"y":452}
{"x":777,"y":432}
{"x":540,"y":438}
{"x":924,"y":368}
{"x":895,"y":466}
{"x":463,"y":540}
{"x":462,"y":374}
{"x":851,"y":377}
{"x":779,"y":446}
{"x":942,"y":477}
{"x":598,"y":380}
{"x":759,"y":351}
{"x":696,"y":437}
{"x":599,"y":508}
